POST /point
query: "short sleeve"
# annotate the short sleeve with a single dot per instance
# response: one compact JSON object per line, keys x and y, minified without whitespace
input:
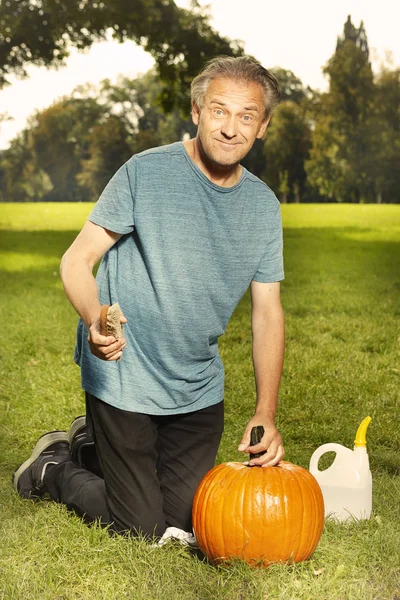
{"x":271,"y":268}
{"x":114,"y":208}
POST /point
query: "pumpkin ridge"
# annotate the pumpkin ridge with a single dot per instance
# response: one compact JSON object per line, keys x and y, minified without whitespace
{"x":301,"y":552}
{"x":314,"y":538}
{"x":319,"y":510}
{"x":203,"y":496}
{"x":216,"y":533}
{"x":289,"y":512}
{"x":226,"y":509}
{"x":306,"y":538}
{"x":306,"y":541}
{"x":311,"y":509}
{"x":209,"y":525}
{"x":250,"y":512}
{"x":286,"y":523}
{"x":242,"y":512}
{"x":242,"y":536}
{"x":311,"y":535}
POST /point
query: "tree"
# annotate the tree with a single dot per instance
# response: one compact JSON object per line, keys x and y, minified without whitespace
{"x":286,"y":148}
{"x":60,"y":139}
{"x":41,"y":32}
{"x":22,"y":179}
{"x":351,"y":85}
{"x":385,"y":137}
{"x":326,"y":171}
{"x":134,"y":123}
{"x":71,"y":149}
{"x":293,"y":93}
{"x":108,"y":150}
{"x":339,"y":164}
{"x":284,"y":188}
{"x":135,"y":101}
{"x":291,"y":86}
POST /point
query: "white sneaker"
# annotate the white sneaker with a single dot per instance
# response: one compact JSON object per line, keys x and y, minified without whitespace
{"x":174,"y":533}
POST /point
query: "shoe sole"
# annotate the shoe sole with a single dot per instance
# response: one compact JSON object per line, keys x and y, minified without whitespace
{"x":82,"y":446}
{"x":76,"y":425}
{"x":43,"y":443}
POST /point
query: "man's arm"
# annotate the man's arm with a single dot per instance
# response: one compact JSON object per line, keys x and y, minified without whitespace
{"x":81,"y":288}
{"x":267,"y":323}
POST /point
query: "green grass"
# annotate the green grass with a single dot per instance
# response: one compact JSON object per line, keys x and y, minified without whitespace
{"x":341,"y":299}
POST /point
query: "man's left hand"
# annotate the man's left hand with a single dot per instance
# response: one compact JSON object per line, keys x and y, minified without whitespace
{"x":271,"y":442}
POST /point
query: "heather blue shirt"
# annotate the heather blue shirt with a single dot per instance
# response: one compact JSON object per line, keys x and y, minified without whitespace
{"x":188,"y":253}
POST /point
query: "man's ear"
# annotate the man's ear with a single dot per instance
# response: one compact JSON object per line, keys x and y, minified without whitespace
{"x":263,"y":127}
{"x":195,"y":113}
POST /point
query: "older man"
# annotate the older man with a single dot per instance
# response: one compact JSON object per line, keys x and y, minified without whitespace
{"x":182,"y":230}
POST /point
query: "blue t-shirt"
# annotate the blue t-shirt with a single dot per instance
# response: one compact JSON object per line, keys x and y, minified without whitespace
{"x":188,"y":253}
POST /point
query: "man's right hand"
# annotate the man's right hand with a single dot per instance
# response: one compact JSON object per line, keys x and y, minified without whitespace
{"x":105,"y":347}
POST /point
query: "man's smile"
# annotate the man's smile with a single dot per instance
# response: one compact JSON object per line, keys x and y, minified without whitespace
{"x":229,"y":144}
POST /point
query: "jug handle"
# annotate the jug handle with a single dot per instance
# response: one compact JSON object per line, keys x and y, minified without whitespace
{"x":314,"y":460}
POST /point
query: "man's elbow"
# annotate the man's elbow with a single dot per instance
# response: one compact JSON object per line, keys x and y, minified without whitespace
{"x":63,"y":265}
{"x":68,"y":262}
{"x":269,"y":315}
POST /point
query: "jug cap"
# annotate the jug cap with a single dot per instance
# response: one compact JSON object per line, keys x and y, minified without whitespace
{"x":361,"y":440}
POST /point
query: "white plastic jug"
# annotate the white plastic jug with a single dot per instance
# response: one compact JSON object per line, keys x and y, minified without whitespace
{"x":347,"y":484}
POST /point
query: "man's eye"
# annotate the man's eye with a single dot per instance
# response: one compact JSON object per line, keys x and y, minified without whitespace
{"x":247,"y":118}
{"x":218,"y":112}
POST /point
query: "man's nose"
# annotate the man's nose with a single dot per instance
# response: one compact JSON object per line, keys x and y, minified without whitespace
{"x":229,"y":127}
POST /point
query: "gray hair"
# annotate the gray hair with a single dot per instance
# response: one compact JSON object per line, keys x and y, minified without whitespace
{"x":241,"y":68}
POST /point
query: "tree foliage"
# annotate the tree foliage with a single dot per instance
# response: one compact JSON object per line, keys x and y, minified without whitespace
{"x":75,"y":146}
{"x":108,"y":149}
{"x":42,"y":32}
{"x":291,"y":86}
{"x":22,"y":180}
{"x":385,"y":135}
{"x":344,"y":143}
{"x":286,"y":148}
{"x":351,"y":85}
{"x":60,"y":137}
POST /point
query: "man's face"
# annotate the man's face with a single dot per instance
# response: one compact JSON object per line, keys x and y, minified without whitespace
{"x":230,"y":121}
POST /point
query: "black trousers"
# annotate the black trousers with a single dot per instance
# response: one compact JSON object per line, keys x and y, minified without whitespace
{"x":152,"y":466}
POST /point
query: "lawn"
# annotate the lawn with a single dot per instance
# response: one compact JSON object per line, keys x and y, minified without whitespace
{"x":341,"y":298}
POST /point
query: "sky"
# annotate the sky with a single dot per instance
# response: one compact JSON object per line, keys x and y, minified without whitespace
{"x":292,"y":34}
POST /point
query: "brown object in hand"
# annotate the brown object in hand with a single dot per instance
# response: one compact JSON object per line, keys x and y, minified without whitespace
{"x":110,"y":323}
{"x":255,"y":438}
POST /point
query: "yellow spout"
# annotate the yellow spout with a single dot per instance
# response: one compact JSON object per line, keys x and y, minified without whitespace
{"x":361,"y":440}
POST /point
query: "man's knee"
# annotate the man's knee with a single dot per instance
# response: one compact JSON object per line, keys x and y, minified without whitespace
{"x":136,"y":520}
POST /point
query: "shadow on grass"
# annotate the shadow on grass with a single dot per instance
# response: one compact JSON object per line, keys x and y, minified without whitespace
{"x":332,"y":250}
{"x":43,"y":243}
{"x":30,"y":260}
{"x":337,"y":269}
{"x":327,"y":271}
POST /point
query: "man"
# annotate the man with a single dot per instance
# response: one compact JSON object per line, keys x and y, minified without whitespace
{"x":183,"y":230}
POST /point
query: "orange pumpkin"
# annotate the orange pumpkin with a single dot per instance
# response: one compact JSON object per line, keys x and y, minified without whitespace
{"x":260,"y":514}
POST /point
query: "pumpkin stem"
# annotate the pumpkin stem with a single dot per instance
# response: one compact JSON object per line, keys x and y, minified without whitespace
{"x":255,"y":438}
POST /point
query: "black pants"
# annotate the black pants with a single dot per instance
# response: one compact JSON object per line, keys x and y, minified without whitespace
{"x":152,"y":466}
